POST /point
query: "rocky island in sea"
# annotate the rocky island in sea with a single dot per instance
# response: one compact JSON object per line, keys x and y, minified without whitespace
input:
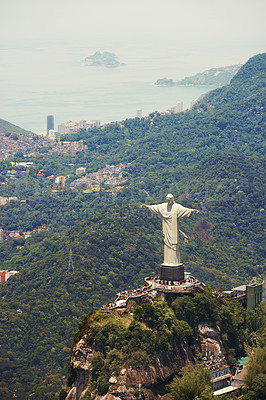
{"x":165,"y":82}
{"x":212,"y":77}
{"x":105,"y":59}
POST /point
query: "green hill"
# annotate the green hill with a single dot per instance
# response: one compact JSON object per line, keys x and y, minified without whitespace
{"x":245,"y":92}
{"x":159,"y":149}
{"x":137,"y":352}
{"x":213,"y":77}
{"x":227,"y":119}
{"x":115,"y":250}
{"x":210,"y":158}
{"x":7,"y":127}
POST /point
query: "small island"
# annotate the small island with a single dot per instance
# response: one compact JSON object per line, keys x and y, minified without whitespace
{"x":212,"y":77}
{"x":104,"y":59}
{"x":165,"y":82}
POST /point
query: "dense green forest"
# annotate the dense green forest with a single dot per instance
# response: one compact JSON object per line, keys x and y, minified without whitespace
{"x":210,"y":158}
{"x":226,"y":188}
{"x":112,"y":251}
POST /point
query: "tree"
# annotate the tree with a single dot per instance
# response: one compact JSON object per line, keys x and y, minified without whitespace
{"x":207,"y":394}
{"x":256,"y":374}
{"x":194,"y":383}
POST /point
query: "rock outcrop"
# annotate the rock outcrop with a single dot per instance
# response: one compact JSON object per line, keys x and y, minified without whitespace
{"x":210,"y":342}
{"x":129,"y":381}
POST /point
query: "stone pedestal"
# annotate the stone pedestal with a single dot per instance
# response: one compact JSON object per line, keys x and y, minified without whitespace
{"x":172,"y":273}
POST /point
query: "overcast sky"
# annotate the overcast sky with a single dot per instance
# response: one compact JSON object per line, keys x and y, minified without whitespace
{"x":236,"y":26}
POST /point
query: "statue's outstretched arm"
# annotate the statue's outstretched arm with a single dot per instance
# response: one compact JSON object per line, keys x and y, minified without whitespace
{"x":184,"y":212}
{"x":143,"y":206}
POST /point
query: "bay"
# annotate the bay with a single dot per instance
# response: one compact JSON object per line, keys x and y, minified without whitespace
{"x":36,"y":81}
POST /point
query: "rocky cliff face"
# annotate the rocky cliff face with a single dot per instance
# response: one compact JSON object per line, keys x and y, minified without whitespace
{"x":210,"y":341}
{"x":128,"y":382}
{"x":134,"y":352}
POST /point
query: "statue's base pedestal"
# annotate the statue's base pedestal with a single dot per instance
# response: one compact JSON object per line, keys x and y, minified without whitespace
{"x":172,"y":273}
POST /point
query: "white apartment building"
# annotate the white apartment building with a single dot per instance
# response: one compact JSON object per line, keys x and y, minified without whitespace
{"x":68,"y":127}
{"x":73,"y":127}
{"x":177,"y":108}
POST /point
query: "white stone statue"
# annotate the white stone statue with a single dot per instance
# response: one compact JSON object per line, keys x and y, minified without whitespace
{"x":170,"y":212}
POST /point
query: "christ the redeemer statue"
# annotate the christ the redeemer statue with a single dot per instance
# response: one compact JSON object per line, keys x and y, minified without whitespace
{"x":170,"y":212}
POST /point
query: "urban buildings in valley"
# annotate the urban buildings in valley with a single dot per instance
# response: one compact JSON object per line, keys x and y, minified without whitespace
{"x":16,"y":234}
{"x":73,"y":127}
{"x":109,"y":175}
{"x":11,"y":144}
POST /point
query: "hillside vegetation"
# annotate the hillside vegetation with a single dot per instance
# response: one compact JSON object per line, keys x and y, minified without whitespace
{"x":215,"y":76}
{"x":156,"y":333}
{"x":212,"y":77}
{"x":7,"y":127}
{"x":210,"y":158}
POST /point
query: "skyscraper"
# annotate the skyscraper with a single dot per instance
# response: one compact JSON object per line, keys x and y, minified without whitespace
{"x":50,"y":123}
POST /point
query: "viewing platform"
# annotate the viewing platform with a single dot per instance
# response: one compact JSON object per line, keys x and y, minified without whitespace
{"x":154,"y":288}
{"x":188,"y":285}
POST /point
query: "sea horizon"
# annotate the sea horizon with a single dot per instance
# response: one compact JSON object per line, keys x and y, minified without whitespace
{"x":37,"y":81}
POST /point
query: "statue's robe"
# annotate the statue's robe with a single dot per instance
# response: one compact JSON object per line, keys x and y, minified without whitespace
{"x":170,"y":214}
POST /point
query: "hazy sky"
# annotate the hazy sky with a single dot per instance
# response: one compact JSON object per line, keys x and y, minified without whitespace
{"x":235,"y":27}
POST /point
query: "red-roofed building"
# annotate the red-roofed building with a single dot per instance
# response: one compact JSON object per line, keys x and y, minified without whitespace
{"x":5,"y":274}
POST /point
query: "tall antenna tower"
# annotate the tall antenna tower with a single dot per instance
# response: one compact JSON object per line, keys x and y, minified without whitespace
{"x":70,"y":263}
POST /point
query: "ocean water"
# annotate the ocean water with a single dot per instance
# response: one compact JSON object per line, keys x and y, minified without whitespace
{"x":36,"y":81}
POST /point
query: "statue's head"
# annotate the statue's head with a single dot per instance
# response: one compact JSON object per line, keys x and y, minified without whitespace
{"x":170,"y":198}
